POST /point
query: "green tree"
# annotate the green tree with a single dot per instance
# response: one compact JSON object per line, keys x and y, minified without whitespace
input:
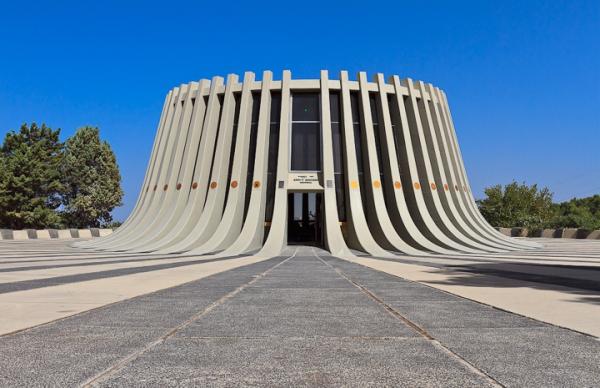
{"x":91,"y":178}
{"x":578,"y":213}
{"x":30,"y":184}
{"x":517,"y":205}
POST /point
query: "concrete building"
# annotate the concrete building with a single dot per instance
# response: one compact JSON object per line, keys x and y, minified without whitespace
{"x":252,"y":166}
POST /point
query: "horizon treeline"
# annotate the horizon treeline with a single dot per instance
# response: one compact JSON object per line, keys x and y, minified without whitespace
{"x":520,"y":205}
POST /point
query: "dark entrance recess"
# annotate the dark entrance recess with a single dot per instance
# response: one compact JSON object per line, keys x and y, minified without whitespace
{"x":305,"y":219}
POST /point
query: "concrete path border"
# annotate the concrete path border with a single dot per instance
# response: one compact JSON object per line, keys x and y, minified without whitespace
{"x":52,"y":234}
{"x":574,"y":233}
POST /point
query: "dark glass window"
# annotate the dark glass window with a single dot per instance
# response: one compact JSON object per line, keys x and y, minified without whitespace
{"x":336,"y":131}
{"x":358,"y":142}
{"x":273,"y":151}
{"x":376,"y":130}
{"x":338,"y":149}
{"x":220,"y":98}
{"x":252,"y":149}
{"x":306,"y":107}
{"x":236,"y":118}
{"x":354,"y":104}
{"x":306,"y":132}
{"x":306,"y":146}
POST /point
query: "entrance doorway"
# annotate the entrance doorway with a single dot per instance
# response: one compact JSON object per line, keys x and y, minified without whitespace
{"x":305,"y":219}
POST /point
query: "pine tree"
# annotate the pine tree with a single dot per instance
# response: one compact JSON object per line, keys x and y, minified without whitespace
{"x":91,"y":178}
{"x":30,"y":184}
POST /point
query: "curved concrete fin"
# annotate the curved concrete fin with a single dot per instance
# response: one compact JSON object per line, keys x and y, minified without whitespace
{"x":416,"y":116}
{"x":360,"y":236}
{"x":201,"y":171}
{"x":166,"y":164}
{"x":215,"y":199}
{"x":437,"y":178}
{"x":277,"y":238}
{"x":169,"y":204}
{"x":143,"y":191}
{"x":251,"y":235}
{"x":377,"y":215}
{"x":179,"y":184}
{"x":463,"y":186}
{"x":412,"y":182}
{"x":231,"y":223}
{"x":398,"y":208}
{"x":447,"y":176}
{"x":185,"y":177}
{"x":149,"y":198}
{"x":334,"y":238}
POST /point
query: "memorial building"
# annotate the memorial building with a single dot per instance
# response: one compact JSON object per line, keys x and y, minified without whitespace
{"x":348,"y":165}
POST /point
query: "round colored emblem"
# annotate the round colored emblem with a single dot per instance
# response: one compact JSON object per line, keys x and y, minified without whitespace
{"x":417,"y":185}
{"x":213,"y":185}
{"x":234,"y":184}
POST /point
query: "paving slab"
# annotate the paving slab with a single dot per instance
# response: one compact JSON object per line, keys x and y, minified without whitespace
{"x":534,"y":356}
{"x":285,"y":362}
{"x":305,"y":320}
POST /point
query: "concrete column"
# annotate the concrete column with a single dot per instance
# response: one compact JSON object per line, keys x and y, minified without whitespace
{"x":151,"y":198}
{"x":251,"y":236}
{"x":277,"y":238}
{"x":179,"y":185}
{"x":213,"y":208}
{"x":231,"y":223}
{"x":448,"y":176}
{"x":143,"y":192}
{"x":359,"y":233}
{"x":400,"y":214}
{"x":333,"y":233}
{"x":168,"y":202}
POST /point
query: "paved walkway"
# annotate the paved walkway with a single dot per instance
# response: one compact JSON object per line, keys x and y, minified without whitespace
{"x":301,"y":319}
{"x":559,"y":284}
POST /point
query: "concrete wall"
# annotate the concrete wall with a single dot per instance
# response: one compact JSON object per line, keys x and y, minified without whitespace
{"x":572,"y":233}
{"x":52,"y":234}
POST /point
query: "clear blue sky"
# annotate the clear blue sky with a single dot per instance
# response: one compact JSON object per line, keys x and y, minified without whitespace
{"x":522,"y":77}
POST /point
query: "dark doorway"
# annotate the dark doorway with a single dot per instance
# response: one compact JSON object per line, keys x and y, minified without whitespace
{"x":305,"y":219}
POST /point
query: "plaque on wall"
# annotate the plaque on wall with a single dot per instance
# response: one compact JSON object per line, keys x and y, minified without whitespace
{"x":309,"y":181}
